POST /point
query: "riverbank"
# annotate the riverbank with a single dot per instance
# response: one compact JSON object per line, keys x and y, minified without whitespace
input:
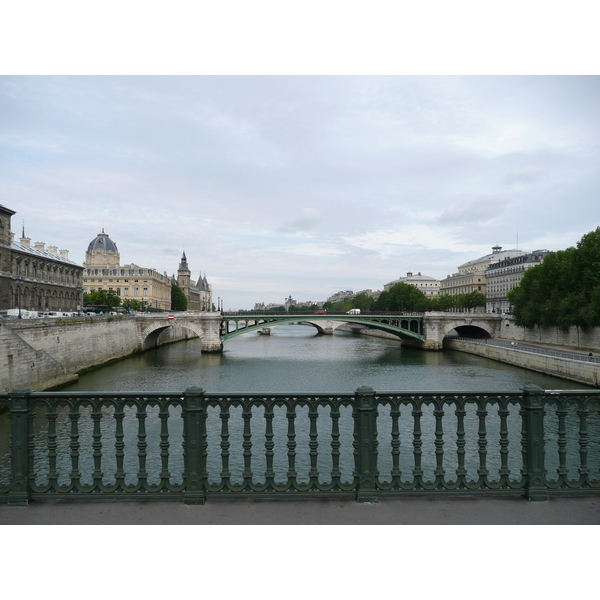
{"x":580,"y":371}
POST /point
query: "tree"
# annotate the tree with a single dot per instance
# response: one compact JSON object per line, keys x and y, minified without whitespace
{"x":102,"y":298}
{"x":178,"y":298}
{"x":563,"y":291}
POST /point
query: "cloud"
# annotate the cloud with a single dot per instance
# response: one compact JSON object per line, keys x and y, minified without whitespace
{"x":307,"y":221}
{"x":482,"y":210}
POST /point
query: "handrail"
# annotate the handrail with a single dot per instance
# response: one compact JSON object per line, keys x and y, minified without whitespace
{"x":193,"y":445}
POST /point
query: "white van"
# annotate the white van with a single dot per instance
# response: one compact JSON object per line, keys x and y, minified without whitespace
{"x":353,"y":311}
{"x":25,"y":314}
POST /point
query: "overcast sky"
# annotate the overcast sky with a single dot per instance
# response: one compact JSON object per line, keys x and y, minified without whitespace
{"x":301,"y":185}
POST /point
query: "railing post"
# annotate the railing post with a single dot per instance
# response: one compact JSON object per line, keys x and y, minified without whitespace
{"x":534,"y":428}
{"x":367,"y":436}
{"x":19,"y":453}
{"x":193,"y":415}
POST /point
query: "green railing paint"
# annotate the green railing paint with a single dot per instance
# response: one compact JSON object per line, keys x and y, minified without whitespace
{"x":194,"y":445}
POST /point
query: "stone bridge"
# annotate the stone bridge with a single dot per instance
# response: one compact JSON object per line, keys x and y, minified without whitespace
{"x":205,"y":325}
{"x":419,"y":330}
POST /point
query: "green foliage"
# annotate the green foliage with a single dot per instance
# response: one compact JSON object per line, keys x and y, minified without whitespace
{"x":102,"y":298}
{"x":563,"y":291}
{"x":178,"y":298}
{"x":402,"y":297}
{"x":132,"y":305}
{"x":277,"y":309}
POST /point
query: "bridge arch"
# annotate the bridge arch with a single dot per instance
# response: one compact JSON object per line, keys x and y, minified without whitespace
{"x":472,"y":329}
{"x":148,"y":337}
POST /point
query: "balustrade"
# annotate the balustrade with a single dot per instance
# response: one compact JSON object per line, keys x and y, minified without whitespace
{"x":196,"y":445}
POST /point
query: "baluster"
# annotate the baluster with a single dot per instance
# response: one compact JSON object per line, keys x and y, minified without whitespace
{"x":75,"y":474}
{"x":583,"y":442}
{"x":291,"y":444}
{"x":164,"y":443}
{"x":225,"y":445}
{"x":97,"y":443}
{"x":504,"y":470}
{"x":142,"y":445}
{"x":335,"y":445}
{"x":460,"y":413}
{"x":523,"y":414}
{"x":119,"y":446}
{"x":562,"y":470}
{"x":417,"y":442}
{"x":247,"y":444}
{"x":313,"y":444}
{"x":439,"y":472}
{"x":51,"y":416}
{"x":395,"y":415}
{"x":482,"y":471}
{"x":269,"y":444}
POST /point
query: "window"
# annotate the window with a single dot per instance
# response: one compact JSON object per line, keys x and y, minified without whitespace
{"x":126,"y":292}
{"x":136,"y":291}
{"x":145,"y":291}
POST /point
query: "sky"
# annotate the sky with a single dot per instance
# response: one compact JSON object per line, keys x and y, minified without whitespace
{"x":301,"y":185}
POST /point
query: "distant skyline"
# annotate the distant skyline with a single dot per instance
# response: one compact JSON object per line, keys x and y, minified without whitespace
{"x":301,"y":185}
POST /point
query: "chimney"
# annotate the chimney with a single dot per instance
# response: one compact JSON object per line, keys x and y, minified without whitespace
{"x":409,"y":274}
{"x":53,"y":250}
{"x":39,"y":246}
{"x":25,"y":242}
{"x":64,"y":254}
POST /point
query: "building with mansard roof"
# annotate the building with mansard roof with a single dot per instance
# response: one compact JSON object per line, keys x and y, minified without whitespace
{"x":428,"y":285}
{"x":103,"y":271}
{"x":199,"y":294}
{"x":34,"y":277}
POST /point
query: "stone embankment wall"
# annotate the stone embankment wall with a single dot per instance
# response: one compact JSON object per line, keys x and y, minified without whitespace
{"x":42,"y":355}
{"x":553,"y":336}
{"x":575,"y":370}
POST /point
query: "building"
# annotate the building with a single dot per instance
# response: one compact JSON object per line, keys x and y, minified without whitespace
{"x":428,"y":285}
{"x":103,"y":271}
{"x":199,"y":294}
{"x":471,"y":276}
{"x":505,"y":275}
{"x":36,"y":278}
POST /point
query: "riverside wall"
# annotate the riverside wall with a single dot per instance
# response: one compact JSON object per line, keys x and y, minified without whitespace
{"x":43,"y":355}
{"x":574,"y":370}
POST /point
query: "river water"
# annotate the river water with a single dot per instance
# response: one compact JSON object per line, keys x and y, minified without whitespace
{"x":293,"y":359}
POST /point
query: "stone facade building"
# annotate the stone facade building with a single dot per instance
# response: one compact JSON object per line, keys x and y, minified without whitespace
{"x":505,"y":275}
{"x":199,"y":294}
{"x":103,"y":271}
{"x":36,"y":278}
{"x":472,"y":276}
{"x":428,"y":285}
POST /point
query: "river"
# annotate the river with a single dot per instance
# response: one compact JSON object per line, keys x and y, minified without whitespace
{"x":293,"y":359}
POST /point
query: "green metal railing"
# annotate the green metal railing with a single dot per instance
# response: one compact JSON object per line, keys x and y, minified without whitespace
{"x":365,"y":445}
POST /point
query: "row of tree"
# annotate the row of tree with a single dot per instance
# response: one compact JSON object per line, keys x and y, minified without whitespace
{"x":563,"y":291}
{"x":110,"y":299}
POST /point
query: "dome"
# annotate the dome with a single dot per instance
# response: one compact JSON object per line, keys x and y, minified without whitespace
{"x":102,"y":242}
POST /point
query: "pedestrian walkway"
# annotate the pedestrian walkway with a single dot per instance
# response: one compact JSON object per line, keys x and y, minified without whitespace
{"x":388,"y":511}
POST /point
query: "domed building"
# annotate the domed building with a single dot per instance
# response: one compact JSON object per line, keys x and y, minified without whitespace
{"x":103,"y":271}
